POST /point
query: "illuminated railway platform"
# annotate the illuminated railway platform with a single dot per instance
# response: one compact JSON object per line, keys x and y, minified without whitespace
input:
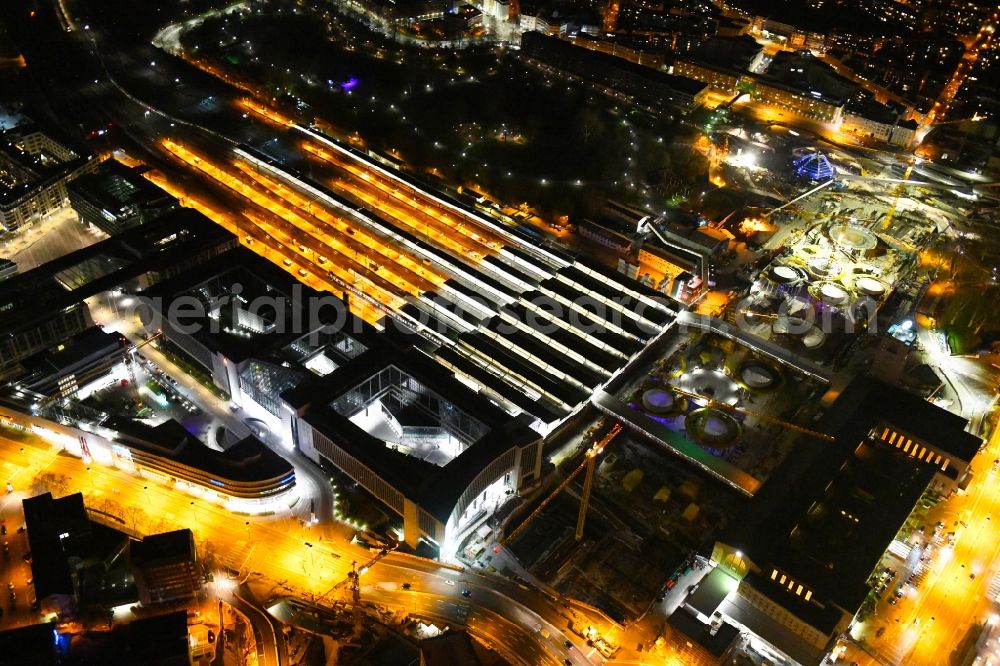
{"x":533,"y":328}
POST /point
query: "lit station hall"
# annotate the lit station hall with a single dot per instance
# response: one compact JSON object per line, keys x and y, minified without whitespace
{"x":369,"y":403}
{"x":534,"y":329}
{"x":446,"y":306}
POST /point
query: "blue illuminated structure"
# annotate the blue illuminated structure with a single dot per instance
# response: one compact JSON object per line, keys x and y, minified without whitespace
{"x":814,"y":165}
{"x":349,"y":84}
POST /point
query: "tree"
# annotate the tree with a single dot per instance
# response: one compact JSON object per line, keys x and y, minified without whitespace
{"x":589,"y":123}
{"x":695,"y":167}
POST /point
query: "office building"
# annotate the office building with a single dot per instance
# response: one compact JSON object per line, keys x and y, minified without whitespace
{"x":34,"y":170}
{"x":165,"y":567}
{"x":116,"y":197}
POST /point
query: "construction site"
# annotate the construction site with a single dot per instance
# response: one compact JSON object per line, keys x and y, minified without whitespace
{"x":704,"y":427}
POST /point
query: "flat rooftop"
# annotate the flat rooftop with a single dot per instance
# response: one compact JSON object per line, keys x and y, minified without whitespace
{"x":34,"y":158}
{"x":435,"y":487}
{"x":246,"y":462}
{"x":273,"y":307}
{"x":830,"y":510}
{"x":118,"y":189}
{"x":732,"y":52}
{"x":167,"y":244}
{"x":802,"y":72}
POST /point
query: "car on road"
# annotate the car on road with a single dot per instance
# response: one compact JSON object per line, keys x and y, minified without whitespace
{"x":406,"y":586}
{"x":466,"y":592}
{"x":568,"y":643}
{"x":448,"y":581}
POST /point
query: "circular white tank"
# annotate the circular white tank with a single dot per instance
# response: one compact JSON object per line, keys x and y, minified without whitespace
{"x":832,"y":294}
{"x":870,"y":286}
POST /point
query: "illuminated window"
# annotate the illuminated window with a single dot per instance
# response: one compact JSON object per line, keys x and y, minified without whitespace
{"x":783,"y":579}
{"x":774,"y":574}
{"x":798,"y":590}
{"x":808,"y":595}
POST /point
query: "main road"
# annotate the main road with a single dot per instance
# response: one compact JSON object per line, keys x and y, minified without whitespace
{"x":279,"y":553}
{"x":938,"y":619}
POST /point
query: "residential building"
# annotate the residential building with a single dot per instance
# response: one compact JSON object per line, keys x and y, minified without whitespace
{"x":647,"y":85}
{"x":867,"y":118}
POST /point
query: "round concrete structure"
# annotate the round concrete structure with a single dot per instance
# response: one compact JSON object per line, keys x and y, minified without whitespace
{"x":713,"y":428}
{"x":757,"y":375}
{"x":851,"y":237}
{"x":786,"y":325}
{"x":870,"y":286}
{"x":660,"y":401}
{"x":813,"y":338}
{"x":823,"y":268}
{"x":832,"y":294}
{"x":712,"y":384}
{"x":784,"y":274}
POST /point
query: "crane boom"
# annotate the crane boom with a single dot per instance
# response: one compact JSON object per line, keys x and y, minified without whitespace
{"x":589,"y":458}
{"x":353,"y":579}
{"x":710,"y":402}
{"x":588,"y":482}
{"x":897,"y":192}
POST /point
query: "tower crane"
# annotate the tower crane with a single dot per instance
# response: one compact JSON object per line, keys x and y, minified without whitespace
{"x":589,"y":464}
{"x":353,"y":579}
{"x":896,"y":193}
